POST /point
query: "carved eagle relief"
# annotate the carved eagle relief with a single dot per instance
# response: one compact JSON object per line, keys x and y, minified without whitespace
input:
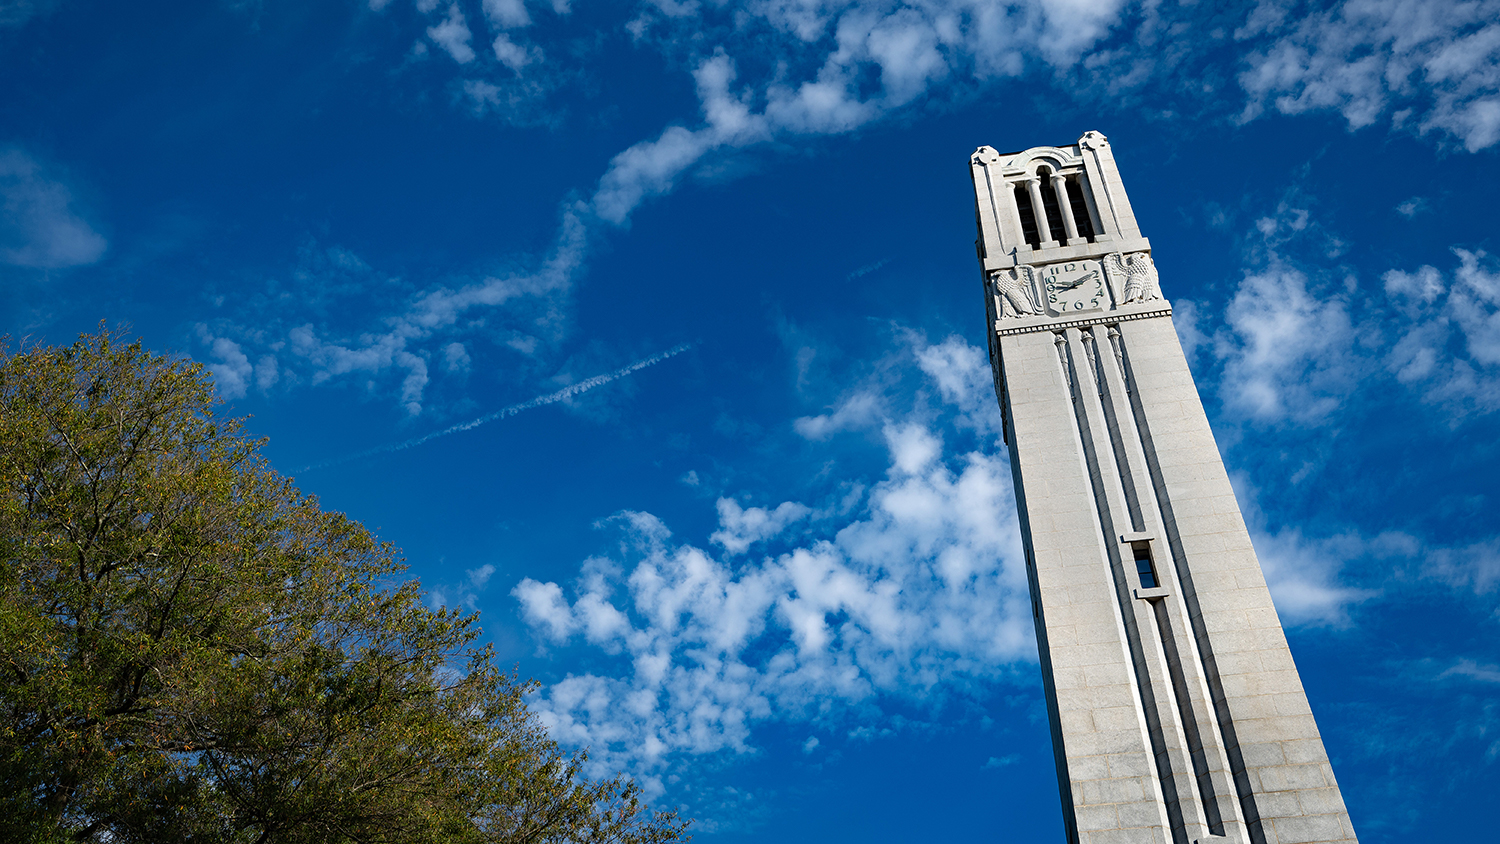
{"x":1014,"y":287}
{"x":1141,"y":284}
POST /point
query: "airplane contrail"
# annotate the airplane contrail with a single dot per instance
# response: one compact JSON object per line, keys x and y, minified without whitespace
{"x":550,"y":398}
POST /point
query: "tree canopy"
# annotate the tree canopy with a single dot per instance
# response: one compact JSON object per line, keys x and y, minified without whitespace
{"x":192,"y":650}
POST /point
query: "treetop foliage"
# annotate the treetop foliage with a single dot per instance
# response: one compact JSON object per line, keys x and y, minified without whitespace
{"x":191,"y":650}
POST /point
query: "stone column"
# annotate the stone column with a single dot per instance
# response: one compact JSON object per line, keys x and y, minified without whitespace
{"x":1039,"y":212}
{"x":1014,"y":229}
{"x":1060,"y":188}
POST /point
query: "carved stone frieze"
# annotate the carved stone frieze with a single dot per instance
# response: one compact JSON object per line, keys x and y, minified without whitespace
{"x":1139,"y":272}
{"x":1015,"y":288}
{"x":985,"y":155}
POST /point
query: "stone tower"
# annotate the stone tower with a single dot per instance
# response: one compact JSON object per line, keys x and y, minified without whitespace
{"x":1177,"y":713}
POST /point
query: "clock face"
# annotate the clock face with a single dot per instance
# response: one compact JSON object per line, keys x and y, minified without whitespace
{"x":1074,"y":286}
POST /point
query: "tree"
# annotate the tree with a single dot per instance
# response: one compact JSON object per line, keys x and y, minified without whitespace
{"x":191,"y":650}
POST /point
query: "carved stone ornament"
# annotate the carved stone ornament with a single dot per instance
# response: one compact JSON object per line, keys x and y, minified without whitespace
{"x":1093,"y":140}
{"x":1015,"y":289}
{"x":985,"y":155}
{"x":1141,"y":283}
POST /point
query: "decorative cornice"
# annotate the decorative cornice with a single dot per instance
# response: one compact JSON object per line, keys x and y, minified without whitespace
{"x":1102,"y":246}
{"x":1004,"y":327}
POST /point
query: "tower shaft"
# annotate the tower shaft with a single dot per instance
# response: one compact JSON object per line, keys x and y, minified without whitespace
{"x":1176,"y":709}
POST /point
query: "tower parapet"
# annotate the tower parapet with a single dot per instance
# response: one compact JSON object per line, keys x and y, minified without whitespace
{"x":1057,"y":235}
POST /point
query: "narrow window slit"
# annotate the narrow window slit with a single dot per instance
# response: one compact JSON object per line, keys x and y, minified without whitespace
{"x":1144,"y":567}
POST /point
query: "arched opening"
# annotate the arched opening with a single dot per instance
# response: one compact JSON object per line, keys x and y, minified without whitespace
{"x":1029,"y":231}
{"x":1080,"y":207}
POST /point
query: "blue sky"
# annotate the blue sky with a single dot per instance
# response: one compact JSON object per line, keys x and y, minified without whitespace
{"x":704,"y":274}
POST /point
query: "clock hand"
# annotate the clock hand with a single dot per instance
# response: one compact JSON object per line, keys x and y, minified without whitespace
{"x":1076,"y":282}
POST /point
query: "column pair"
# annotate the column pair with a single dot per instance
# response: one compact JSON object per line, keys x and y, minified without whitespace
{"x":1064,"y":208}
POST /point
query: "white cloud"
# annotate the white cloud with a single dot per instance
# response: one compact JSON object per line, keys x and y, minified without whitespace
{"x":232,"y":370}
{"x":964,"y":378}
{"x":653,"y":167}
{"x":1286,"y":351}
{"x":923,"y":589}
{"x":858,"y":410}
{"x":456,"y":358}
{"x":1363,"y":57}
{"x":267,"y":372}
{"x":1187,"y":321}
{"x":415,"y":381}
{"x":463,"y":594}
{"x":1303,"y":574}
{"x":1308,"y":577}
{"x":480,"y":576}
{"x":543,"y":607}
{"x":513,"y":55}
{"x":1412,"y":207}
{"x":1294,"y":348}
{"x":1475,"y":567}
{"x":739,"y":528}
{"x":506,"y":14}
{"x":39,"y":226}
{"x":453,"y":35}
{"x":829,"y":68}
{"x":1449,"y":346}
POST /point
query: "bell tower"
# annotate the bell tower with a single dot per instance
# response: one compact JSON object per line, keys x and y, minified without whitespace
{"x":1177,"y":712}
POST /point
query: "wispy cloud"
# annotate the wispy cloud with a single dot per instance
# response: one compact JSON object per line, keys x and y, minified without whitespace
{"x":1430,"y":63}
{"x":867,"y":269}
{"x":1300,"y":337}
{"x":550,"y":398}
{"x":784,"y":72}
{"x":18,"y":12}
{"x":1434,"y":63}
{"x":1449,"y":344}
{"x":1483,"y":672}
{"x":423,"y":328}
{"x":40,"y":226}
{"x":1304,"y":574}
{"x":452,"y":34}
